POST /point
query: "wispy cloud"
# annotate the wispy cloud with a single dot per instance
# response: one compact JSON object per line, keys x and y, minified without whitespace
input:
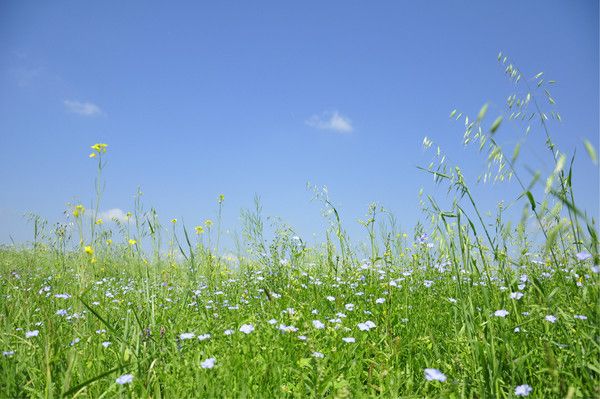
{"x":331,"y":121}
{"x":113,"y":214}
{"x":82,"y":108}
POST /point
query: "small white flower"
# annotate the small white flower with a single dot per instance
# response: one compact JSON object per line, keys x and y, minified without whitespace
{"x":8,"y":353}
{"x":318,"y":355}
{"x":247,"y":328}
{"x":203,"y":337}
{"x":501,"y":313}
{"x":62,"y":296}
{"x":106,"y":344}
{"x":314,"y":311}
{"x":452,"y":300}
{"x":550,"y":318}
{"x":349,"y":306}
{"x":580,"y":317}
{"x":331,"y":298}
{"x":228,"y":332}
{"x":348,"y":339}
{"x":272,"y":321}
{"x":516,"y":295}
{"x":379,"y":301}
{"x":318,"y":324}
{"x":124,"y":379}
{"x":434,"y":375}
{"x":61,"y":312}
{"x":33,"y":333}
{"x":100,"y":331}
{"x":595,"y":269}
{"x":523,"y":390}
{"x":427,"y":283}
{"x":184,"y":336}
{"x":208,"y":363}
{"x":517,"y":329}
{"x":74,"y":342}
{"x":302,"y":337}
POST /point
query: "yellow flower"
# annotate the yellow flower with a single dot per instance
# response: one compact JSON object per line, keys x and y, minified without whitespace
{"x":109,"y":241}
{"x":99,"y":221}
{"x":173,"y":221}
{"x":89,"y":250}
{"x":208,"y":223}
{"x":132,"y":241}
{"x":78,"y":211}
{"x":92,"y":155}
{"x":128,"y":215}
{"x":199,"y":230}
{"x":93,"y":260}
{"x":221,"y":198}
{"x":99,"y":147}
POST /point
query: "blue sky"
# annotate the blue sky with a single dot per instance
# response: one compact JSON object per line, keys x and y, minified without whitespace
{"x":201,"y":98}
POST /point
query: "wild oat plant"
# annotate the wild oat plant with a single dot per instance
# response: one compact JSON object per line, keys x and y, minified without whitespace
{"x":467,"y":305}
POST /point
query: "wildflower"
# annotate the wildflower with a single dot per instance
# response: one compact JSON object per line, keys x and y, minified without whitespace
{"x":349,"y":306}
{"x":184,"y":336}
{"x":228,"y":332}
{"x":173,"y":221}
{"x":79,"y":210}
{"x":132,"y":241}
{"x":580,"y":317}
{"x":247,"y":328}
{"x":203,"y":337}
{"x":434,"y":375}
{"x":8,"y":353}
{"x":517,"y":329}
{"x":108,"y":242}
{"x":74,"y":342}
{"x":501,"y":313}
{"x":318,"y":355}
{"x":199,"y":229}
{"x":379,"y":301}
{"x":208,"y":363}
{"x":302,"y":337}
{"x":92,"y":155}
{"x":516,"y":295}
{"x":124,"y":379}
{"x":99,"y":147}
{"x":550,"y":318}
{"x":61,"y":312}
{"x":523,"y":390}
{"x":427,"y":283}
{"x":99,"y":221}
{"x":106,"y":344}
{"x":318,"y":324}
{"x":366,"y":326}
{"x":208,"y":223}
{"x":349,"y":339}
{"x":331,"y":298}
{"x":583,"y":255}
{"x":596,"y":269}
{"x":221,"y":198}
{"x":452,"y":300}
{"x":272,"y":321}
{"x":33,"y":333}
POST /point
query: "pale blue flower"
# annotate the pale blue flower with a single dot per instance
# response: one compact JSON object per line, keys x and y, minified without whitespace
{"x":434,"y":375}
{"x":523,"y":390}
{"x":124,"y":379}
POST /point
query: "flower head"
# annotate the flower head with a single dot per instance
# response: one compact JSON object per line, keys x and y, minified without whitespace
{"x":583,"y":255}
{"x":208,"y":363}
{"x":99,"y":147}
{"x":550,"y":318}
{"x":523,"y":390}
{"x":501,"y":313}
{"x":88,"y":250}
{"x":124,"y":379}
{"x":199,"y":229}
{"x":132,"y":241}
{"x":247,"y":328}
{"x":434,"y":375}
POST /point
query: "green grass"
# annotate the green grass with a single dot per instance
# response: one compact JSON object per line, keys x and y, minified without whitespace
{"x":476,"y":300}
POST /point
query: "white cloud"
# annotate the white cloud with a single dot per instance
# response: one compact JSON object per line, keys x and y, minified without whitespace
{"x":331,"y":121}
{"x":82,"y":108}
{"x":114,"y":213}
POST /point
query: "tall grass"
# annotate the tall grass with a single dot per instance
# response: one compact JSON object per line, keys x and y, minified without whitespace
{"x":464,"y":306}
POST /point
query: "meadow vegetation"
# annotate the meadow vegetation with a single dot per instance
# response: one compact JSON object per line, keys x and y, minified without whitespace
{"x":465,"y":305}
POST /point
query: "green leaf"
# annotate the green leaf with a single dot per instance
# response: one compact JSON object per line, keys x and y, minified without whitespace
{"x":482,"y":111}
{"x":496,"y":124}
{"x":591,"y":151}
{"x":531,"y":200}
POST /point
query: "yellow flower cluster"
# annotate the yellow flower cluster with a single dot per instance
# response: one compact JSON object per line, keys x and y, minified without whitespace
{"x":199,"y":230}
{"x":99,"y":148}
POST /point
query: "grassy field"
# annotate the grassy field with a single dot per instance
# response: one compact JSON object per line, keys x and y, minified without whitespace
{"x":460,"y":308}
